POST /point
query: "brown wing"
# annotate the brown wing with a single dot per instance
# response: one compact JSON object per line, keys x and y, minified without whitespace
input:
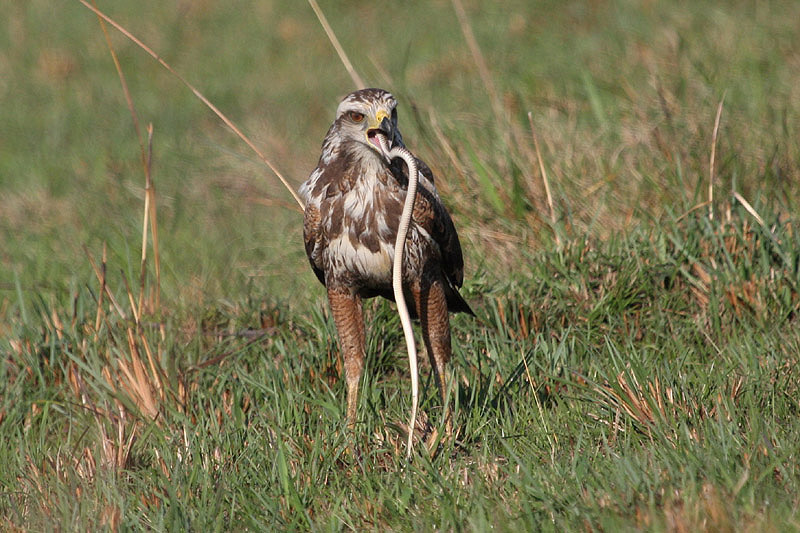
{"x":312,"y":237}
{"x":332,"y":174}
{"x":444,"y":232}
{"x":430,"y":214}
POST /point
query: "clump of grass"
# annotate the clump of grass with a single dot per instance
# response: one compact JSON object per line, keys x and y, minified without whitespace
{"x":622,"y":403}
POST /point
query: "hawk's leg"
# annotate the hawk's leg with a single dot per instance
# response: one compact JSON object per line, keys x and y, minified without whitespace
{"x":349,"y":320}
{"x":434,"y":322}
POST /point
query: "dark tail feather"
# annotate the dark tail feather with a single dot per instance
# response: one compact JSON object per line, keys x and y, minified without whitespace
{"x":455,"y":302}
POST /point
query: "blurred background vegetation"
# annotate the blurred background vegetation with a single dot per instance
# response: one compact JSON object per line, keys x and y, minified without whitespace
{"x":622,"y":97}
{"x":635,"y":361}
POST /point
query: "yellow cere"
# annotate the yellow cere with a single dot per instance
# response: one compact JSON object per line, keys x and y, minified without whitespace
{"x":380,"y":115}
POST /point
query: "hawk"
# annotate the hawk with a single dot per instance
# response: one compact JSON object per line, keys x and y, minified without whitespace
{"x":354,"y":199}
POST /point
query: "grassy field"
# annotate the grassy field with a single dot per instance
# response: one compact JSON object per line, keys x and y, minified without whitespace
{"x":634,"y":363}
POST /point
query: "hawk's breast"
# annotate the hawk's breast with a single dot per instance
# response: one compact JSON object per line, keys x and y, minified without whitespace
{"x":361,"y":224}
{"x":353,"y":211}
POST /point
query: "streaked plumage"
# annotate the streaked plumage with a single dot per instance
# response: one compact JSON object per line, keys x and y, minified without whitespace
{"x":354,"y":199}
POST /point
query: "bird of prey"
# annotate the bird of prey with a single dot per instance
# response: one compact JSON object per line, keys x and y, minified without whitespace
{"x":354,"y":199}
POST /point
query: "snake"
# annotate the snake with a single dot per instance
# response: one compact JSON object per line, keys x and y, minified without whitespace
{"x":397,"y":275}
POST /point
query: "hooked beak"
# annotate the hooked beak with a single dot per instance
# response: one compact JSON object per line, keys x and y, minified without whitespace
{"x":381,"y":126}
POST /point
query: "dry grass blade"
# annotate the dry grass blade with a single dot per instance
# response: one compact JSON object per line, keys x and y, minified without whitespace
{"x":153,"y":219}
{"x":142,"y":387}
{"x":692,"y":210}
{"x":145,"y":224}
{"x":115,"y":442}
{"x":125,"y":90}
{"x":359,"y":83}
{"x":146,"y":157}
{"x":149,"y":217}
{"x":451,"y":153}
{"x":483,"y":69}
{"x":713,"y":160}
{"x":749,"y":208}
{"x":544,"y":178}
{"x":146,"y":389}
{"x":136,"y":315}
{"x":101,"y":277}
{"x":156,"y":371}
{"x":652,"y":407}
{"x":535,"y":394}
{"x":633,"y":401}
{"x":201,"y":97}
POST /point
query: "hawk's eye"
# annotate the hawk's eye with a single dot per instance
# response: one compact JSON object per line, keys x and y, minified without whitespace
{"x":355,"y":116}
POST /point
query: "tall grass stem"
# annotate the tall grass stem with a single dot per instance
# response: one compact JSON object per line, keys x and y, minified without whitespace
{"x":228,"y":122}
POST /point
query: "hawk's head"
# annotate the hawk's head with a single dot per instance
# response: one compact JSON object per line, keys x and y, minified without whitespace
{"x":364,"y":114}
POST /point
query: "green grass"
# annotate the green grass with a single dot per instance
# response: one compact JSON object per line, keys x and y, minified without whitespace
{"x":634,"y":364}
